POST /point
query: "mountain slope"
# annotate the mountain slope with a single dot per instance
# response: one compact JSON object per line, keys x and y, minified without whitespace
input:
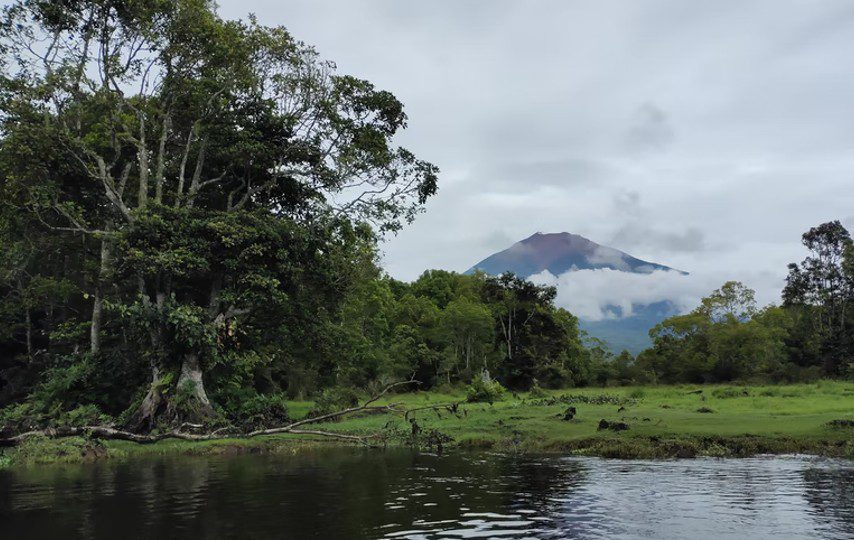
{"x":630,"y":333}
{"x":559,"y":253}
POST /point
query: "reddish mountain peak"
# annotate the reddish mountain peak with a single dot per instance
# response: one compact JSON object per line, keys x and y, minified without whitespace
{"x":559,"y":253}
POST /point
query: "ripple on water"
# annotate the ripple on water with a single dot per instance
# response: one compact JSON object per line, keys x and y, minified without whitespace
{"x":706,"y":498}
{"x":348,"y":494}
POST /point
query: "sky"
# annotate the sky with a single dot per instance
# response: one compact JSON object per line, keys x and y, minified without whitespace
{"x":705,"y":136}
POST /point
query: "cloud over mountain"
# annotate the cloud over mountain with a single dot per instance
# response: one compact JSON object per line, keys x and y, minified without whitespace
{"x":601,"y":294}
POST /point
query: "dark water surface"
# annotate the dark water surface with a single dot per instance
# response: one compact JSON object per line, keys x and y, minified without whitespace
{"x":351,"y":493}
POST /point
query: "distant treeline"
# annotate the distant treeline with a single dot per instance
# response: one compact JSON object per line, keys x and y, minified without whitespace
{"x":727,"y":338}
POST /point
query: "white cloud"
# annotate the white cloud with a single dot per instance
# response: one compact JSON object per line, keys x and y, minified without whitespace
{"x":608,"y":256}
{"x":705,"y":136}
{"x":589,"y":293}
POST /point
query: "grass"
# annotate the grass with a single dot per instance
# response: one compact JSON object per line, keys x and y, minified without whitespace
{"x":663,"y":422}
{"x":779,"y":419}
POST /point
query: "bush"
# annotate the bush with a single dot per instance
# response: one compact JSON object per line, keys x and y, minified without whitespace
{"x":334,"y":399}
{"x":554,"y":376}
{"x":26,"y":417}
{"x":18,"y":418}
{"x":484,"y":391}
{"x":261,"y":411}
{"x":447,"y":388}
{"x":84,"y":415}
{"x":536,"y":392}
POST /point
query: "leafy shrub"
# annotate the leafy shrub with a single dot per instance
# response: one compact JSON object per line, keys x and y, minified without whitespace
{"x":637,"y":393}
{"x":260,"y":411}
{"x":18,"y":418}
{"x":536,"y":392}
{"x":334,"y":399}
{"x":484,"y":391}
{"x":554,"y":375}
{"x":26,"y":417}
{"x":83,"y":415}
{"x":64,"y":384}
{"x":447,"y":388}
{"x":792,"y":373}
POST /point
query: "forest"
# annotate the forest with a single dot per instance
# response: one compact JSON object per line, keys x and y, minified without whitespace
{"x":190,"y":224}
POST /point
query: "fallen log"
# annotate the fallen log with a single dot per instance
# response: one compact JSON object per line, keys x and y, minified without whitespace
{"x":107,"y":432}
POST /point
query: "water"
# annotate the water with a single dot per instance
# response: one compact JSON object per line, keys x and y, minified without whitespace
{"x":348,"y":493}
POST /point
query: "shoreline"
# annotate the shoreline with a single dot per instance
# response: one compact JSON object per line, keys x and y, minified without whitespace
{"x":662,"y":422}
{"x":77,"y":450}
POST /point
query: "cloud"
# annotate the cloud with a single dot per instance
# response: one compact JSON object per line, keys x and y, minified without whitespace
{"x":589,"y":293}
{"x":515,"y":175}
{"x":592,"y":294}
{"x":650,"y":130}
{"x":636,"y":235}
{"x":608,"y":256}
{"x":706,"y":136}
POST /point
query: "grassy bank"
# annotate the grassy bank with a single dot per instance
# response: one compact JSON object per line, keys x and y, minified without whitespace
{"x":660,"y":422}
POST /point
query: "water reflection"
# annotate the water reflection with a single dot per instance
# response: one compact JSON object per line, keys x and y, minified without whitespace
{"x":347,"y":493}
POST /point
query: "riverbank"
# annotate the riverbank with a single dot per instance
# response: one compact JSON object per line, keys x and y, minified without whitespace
{"x":639,"y":422}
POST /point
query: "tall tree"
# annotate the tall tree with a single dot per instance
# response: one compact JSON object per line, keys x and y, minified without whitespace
{"x":823,"y":285}
{"x":527,"y":330}
{"x":194,"y":149}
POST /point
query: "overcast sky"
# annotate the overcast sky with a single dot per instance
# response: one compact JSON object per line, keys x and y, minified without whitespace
{"x":707,"y":136}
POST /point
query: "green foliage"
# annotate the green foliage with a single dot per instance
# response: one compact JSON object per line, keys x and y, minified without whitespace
{"x":260,"y":411}
{"x":334,"y":399}
{"x":18,"y":418}
{"x":820,"y":290}
{"x":536,"y":392}
{"x":83,"y":415}
{"x":207,"y":203}
{"x":483,"y":390}
{"x":204,"y":192}
{"x":23,"y":417}
{"x":725,"y":339}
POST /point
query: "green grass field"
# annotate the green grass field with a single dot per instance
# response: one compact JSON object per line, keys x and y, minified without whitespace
{"x":662,"y":422}
{"x":773,"y":418}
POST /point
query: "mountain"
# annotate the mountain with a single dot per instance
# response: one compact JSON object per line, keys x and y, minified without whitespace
{"x":560,"y":253}
{"x":630,"y":333}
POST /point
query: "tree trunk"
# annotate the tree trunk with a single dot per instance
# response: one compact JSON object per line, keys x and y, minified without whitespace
{"x":190,"y":380}
{"x":145,"y":417}
{"x":185,"y":402}
{"x":98,"y":302}
{"x":97,"y":317}
{"x":29,"y":332}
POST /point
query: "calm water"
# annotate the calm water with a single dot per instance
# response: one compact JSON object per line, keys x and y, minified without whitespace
{"x":347,"y":493}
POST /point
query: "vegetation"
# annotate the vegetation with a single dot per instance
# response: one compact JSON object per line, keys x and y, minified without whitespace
{"x":727,"y":338}
{"x":178,"y":192}
{"x":662,"y":421}
{"x":189,"y":216}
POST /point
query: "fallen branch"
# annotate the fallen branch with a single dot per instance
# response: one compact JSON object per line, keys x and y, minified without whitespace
{"x":105,"y":432}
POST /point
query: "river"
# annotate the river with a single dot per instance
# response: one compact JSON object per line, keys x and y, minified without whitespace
{"x":341,"y":493}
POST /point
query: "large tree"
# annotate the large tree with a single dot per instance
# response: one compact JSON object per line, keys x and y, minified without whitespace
{"x":216,"y":165}
{"x":822,"y":286}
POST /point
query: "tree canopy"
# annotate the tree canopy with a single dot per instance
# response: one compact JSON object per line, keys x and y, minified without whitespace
{"x":214,"y":175}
